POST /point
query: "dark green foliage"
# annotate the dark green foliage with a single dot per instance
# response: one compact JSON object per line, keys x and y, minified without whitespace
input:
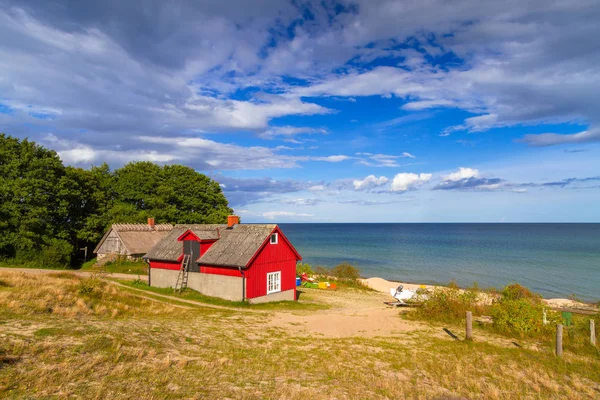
{"x":31,"y":212}
{"x":173,"y":193}
{"x":345,"y":271}
{"x":48,"y":212}
{"x":303,"y":268}
{"x":517,"y":292}
{"x":519,"y":311}
{"x":450,"y":304}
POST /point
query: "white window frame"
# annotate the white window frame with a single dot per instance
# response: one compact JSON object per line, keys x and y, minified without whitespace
{"x":276,"y":238}
{"x":273,"y":282}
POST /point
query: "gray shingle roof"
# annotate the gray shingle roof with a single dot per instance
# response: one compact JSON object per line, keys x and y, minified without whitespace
{"x":234,"y":248}
{"x":168,"y":249}
{"x":205,"y":231}
{"x":237,"y":246}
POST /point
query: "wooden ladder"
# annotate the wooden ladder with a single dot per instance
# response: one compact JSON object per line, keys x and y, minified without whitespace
{"x":182,"y":277}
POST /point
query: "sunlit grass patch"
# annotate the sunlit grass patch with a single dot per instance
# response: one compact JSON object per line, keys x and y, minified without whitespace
{"x":44,"y":332}
{"x":190,"y":294}
{"x":71,"y":296}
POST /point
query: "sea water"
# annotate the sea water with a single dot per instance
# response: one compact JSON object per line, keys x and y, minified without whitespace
{"x":555,"y":260}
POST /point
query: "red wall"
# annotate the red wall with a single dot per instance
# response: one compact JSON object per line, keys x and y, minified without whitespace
{"x":272,"y":258}
{"x":211,"y":269}
{"x":165,"y":265}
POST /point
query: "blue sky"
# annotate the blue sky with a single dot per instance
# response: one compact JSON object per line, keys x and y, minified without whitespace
{"x":321,"y":111}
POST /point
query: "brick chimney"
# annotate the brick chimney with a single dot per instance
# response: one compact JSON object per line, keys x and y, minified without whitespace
{"x":232,"y":220}
{"x":151,"y":222}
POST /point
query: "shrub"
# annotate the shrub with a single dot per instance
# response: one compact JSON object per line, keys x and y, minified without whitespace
{"x":88,"y":285}
{"x":522,"y":317}
{"x":450,"y":304}
{"x":345,"y":271}
{"x":57,"y":254}
{"x":519,"y":311}
{"x":518,"y":292}
{"x":322,"y":271}
{"x":303,"y":268}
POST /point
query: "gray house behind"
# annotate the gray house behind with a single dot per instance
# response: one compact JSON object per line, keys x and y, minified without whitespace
{"x":131,"y":241}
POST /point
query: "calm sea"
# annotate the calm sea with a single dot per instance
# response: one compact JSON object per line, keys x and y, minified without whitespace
{"x":555,"y":260}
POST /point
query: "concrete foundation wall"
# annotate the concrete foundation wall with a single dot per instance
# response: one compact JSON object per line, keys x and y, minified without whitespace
{"x":163,"y":278}
{"x":225,"y":287}
{"x":288,"y":295}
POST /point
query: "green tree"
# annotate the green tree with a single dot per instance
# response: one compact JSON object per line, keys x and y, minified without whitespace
{"x":173,"y":193}
{"x":49,"y":211}
{"x":84,"y":197}
{"x":30,"y":211}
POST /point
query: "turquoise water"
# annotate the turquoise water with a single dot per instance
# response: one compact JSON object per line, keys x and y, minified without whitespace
{"x":555,"y":260}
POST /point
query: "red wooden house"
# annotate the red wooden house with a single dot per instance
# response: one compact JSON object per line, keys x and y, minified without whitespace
{"x":253,"y":262}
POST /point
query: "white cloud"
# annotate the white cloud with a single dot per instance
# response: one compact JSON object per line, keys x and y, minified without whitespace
{"x":332,"y":159}
{"x":462,"y":173}
{"x":285,"y":214}
{"x":406,"y":181}
{"x":291,"y":131}
{"x":381,"y":160}
{"x":369,"y":182}
{"x":551,"y":139}
{"x":426,"y":104}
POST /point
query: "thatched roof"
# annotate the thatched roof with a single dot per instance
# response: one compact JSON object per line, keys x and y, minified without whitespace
{"x":137,"y":238}
{"x":237,"y":246}
{"x":141,"y":227}
{"x":234,"y":248}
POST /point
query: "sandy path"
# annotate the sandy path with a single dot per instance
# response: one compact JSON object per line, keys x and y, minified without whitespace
{"x":354,"y":313}
{"x":339,"y":323}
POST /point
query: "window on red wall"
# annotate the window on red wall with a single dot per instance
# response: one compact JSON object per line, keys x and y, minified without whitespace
{"x":274,"y":282}
{"x":274,"y":238}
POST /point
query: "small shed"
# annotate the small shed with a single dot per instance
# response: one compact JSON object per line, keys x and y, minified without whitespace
{"x":253,"y":262}
{"x":130,"y":240}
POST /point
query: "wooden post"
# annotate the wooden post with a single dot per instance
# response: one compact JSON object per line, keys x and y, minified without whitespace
{"x":469,"y":335}
{"x":559,"y":336}
{"x":592,"y":332}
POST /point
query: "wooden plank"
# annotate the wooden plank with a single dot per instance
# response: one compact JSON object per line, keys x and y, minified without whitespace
{"x":576,"y":310}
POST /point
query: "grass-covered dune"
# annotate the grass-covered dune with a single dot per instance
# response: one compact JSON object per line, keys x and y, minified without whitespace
{"x":65,"y":336}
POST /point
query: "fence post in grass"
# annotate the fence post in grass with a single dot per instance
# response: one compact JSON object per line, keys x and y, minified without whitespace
{"x":559,"y":337}
{"x":592,"y":332}
{"x":469,"y":335}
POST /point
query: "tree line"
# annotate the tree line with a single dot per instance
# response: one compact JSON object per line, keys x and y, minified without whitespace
{"x":49,"y":211}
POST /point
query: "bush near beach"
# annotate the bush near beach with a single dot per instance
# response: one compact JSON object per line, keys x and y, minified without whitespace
{"x":514,"y":312}
{"x":345,"y":274}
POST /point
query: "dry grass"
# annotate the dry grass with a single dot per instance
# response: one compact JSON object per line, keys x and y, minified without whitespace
{"x":57,"y":342}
